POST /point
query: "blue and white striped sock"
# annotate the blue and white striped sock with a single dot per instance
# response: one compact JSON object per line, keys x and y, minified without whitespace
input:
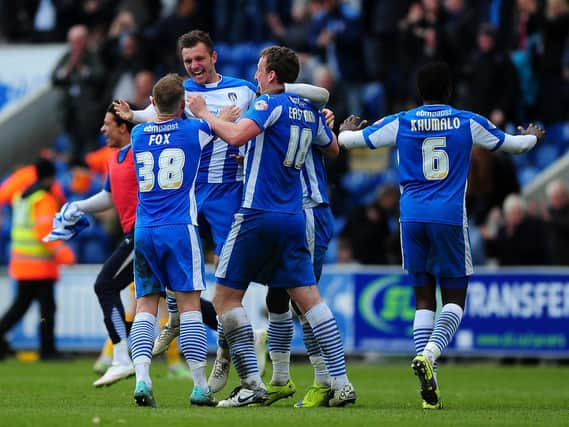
{"x":422,"y":329}
{"x":279,"y":339}
{"x":142,"y":339}
{"x":239,"y":334}
{"x":221,"y":340}
{"x":193,"y":342}
{"x":445,"y":327}
{"x":321,"y":375}
{"x":120,"y":349}
{"x":172,"y":306}
{"x":328,"y":337}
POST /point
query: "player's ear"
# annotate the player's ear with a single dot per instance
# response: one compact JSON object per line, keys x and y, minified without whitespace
{"x":214,"y":56}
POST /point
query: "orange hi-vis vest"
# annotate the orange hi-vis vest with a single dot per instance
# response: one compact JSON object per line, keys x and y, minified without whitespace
{"x":30,"y":257}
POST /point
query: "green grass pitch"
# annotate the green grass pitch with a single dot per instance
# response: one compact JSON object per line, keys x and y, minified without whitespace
{"x":61,"y":394}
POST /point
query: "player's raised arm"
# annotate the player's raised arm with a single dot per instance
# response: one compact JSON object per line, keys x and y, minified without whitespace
{"x":236,"y":134}
{"x":524,"y":142}
{"x":487,"y":135}
{"x":315,"y":94}
{"x":137,"y":116}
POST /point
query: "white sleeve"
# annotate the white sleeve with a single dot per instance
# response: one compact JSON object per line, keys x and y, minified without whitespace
{"x":315,"y":94}
{"x":382,"y":133}
{"x":142,"y":116}
{"x":96,"y":203}
{"x":352,"y":139}
{"x":518,"y":143}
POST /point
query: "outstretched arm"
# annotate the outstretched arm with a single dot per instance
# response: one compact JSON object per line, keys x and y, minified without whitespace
{"x":137,"y":116}
{"x":524,"y":142}
{"x":315,"y":94}
{"x":96,"y":203}
{"x":351,"y":135}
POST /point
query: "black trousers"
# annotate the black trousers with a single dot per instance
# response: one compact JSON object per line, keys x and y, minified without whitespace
{"x":117,"y":273}
{"x":28,"y":292}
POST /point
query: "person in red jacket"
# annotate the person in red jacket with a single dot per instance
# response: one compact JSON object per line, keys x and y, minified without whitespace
{"x":34,"y":264}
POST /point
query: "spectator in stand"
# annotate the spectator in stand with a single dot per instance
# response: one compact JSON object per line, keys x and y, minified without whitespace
{"x":336,"y":167}
{"x":34,"y":263}
{"x":492,"y":176}
{"x":422,"y":41}
{"x":79,"y":73}
{"x":143,"y":84}
{"x":335,"y":34}
{"x":557,"y":220}
{"x":131,"y":59}
{"x":492,"y":80}
{"x":518,"y":239}
{"x":459,"y":30}
{"x":554,"y":33}
{"x":370,"y":226}
{"x":383,"y":41}
{"x":187,"y":16}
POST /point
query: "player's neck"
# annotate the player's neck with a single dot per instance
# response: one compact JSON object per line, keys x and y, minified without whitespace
{"x":165,"y":117}
{"x":272,"y":90}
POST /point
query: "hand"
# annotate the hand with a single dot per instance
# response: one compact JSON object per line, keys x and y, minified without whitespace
{"x":329,"y":116}
{"x":230,"y":113}
{"x":123,"y":110}
{"x":353,"y":123}
{"x":70,"y":212}
{"x":238,"y":158}
{"x":196,"y":104}
{"x":534,"y":130}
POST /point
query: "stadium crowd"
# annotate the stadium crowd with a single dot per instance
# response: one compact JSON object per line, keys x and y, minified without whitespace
{"x":510,"y":62}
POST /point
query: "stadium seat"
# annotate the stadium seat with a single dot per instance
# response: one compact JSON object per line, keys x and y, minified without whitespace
{"x":94,"y":251}
{"x":229,"y":69}
{"x":527,"y":174}
{"x":331,"y":254}
{"x":374,"y":100}
{"x":224,"y":53}
{"x":545,"y":155}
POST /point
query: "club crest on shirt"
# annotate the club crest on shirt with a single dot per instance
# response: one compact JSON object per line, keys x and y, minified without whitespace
{"x":261,"y":105}
{"x":232,"y":97}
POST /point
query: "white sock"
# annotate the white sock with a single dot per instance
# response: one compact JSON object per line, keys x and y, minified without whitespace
{"x":281,"y":367}
{"x":320,"y":372}
{"x":120,"y":353}
{"x":142,"y":370}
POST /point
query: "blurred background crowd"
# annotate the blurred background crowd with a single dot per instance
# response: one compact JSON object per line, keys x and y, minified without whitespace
{"x":510,"y":61}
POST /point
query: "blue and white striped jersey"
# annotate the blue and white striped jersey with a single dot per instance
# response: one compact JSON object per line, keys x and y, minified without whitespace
{"x":434,"y":143}
{"x":314,"y":180}
{"x":166,"y":156}
{"x":216,"y":165}
{"x":275,"y":157}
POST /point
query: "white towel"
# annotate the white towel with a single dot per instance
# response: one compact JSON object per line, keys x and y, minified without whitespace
{"x":65,"y":229}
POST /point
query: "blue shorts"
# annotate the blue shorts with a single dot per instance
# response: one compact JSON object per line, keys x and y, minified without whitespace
{"x":167,"y":257}
{"x":217,"y":203}
{"x":441,"y":250}
{"x":319,"y":232}
{"x":268,"y":248}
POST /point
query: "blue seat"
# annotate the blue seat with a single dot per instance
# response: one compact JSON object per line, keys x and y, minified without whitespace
{"x":229,"y":69}
{"x":545,"y":155}
{"x":374,"y":101}
{"x":527,"y":174}
{"x":94,"y":251}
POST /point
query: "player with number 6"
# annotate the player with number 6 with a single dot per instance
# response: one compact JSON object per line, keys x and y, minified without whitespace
{"x":434,"y":142}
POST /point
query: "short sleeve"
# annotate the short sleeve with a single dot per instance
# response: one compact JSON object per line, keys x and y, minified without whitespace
{"x":484,"y":133}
